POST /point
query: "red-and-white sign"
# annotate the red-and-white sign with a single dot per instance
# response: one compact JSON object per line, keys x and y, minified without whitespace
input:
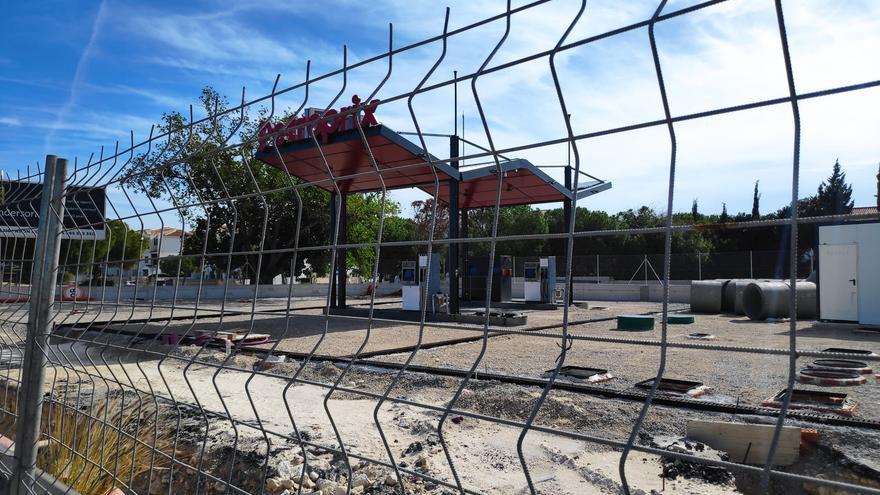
{"x":301,"y":128}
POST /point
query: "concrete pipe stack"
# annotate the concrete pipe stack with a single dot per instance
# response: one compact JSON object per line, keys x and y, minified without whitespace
{"x":718,"y":296}
{"x":765,"y":299}
{"x":706,"y":295}
{"x":728,"y":299}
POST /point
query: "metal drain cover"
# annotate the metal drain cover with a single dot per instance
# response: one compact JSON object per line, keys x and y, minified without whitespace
{"x":671,"y":385}
{"x":579,"y":371}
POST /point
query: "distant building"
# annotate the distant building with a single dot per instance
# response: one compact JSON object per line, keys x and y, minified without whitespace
{"x":864,"y":210}
{"x":162,"y":243}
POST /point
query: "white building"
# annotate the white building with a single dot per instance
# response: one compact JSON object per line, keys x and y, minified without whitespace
{"x":849,"y":272}
{"x":162,"y":243}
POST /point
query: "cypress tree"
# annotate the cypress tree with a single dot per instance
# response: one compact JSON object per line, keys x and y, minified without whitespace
{"x":835,"y":195}
{"x":878,"y":187}
{"x":756,"y":199}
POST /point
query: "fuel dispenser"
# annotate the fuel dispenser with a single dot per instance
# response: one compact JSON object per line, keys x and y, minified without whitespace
{"x":414,"y":276}
{"x":502,"y":279}
{"x":476,"y":276}
{"x":539,"y":280}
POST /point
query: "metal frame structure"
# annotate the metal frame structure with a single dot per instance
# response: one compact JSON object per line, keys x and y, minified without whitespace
{"x":130,"y":349}
{"x":461,"y":190}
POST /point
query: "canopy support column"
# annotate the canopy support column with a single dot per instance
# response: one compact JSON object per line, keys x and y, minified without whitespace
{"x":341,"y":254}
{"x":566,"y":215}
{"x":452,"y":262}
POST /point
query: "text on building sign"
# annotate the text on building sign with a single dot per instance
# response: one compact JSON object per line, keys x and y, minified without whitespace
{"x":300,"y":128}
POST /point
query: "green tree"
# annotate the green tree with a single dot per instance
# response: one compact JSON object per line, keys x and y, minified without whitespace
{"x":363,"y":226}
{"x":512,"y":220}
{"x":121,"y":248}
{"x":835,"y":195}
{"x":756,"y":199}
{"x":401,"y":230}
{"x":695,"y":213}
{"x":178,"y":266}
{"x":807,"y":207}
{"x":424,"y":213}
{"x":724,"y":218}
{"x":878,"y":187}
{"x":233,"y":202}
{"x":124,"y":245}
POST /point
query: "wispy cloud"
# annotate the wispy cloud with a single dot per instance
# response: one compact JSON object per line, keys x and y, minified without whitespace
{"x":201,"y":41}
{"x":33,"y":82}
{"x":10,"y":121}
{"x":78,"y":78}
{"x":727,"y":54}
{"x":157,"y":97}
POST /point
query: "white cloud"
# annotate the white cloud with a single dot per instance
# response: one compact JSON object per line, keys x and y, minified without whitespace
{"x":78,"y":77}
{"x":712,"y":59}
{"x":10,"y":121}
{"x":158,"y":97}
{"x":727,"y":54}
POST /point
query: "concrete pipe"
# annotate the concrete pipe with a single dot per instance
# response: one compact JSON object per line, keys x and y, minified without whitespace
{"x":739,"y":287}
{"x":762,"y":300}
{"x":706,"y":295}
{"x":728,"y":301}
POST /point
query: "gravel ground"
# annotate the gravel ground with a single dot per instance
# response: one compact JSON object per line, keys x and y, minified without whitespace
{"x":489,"y":449}
{"x":733,"y":376}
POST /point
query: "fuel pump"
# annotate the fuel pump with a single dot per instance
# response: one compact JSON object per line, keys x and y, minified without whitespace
{"x":476,"y":276}
{"x":539,"y":280}
{"x":531,"y":281}
{"x":548,"y":279}
{"x":415,"y":277}
{"x":502,"y":279}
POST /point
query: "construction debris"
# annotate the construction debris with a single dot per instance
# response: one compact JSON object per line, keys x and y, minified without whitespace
{"x":591,"y":375}
{"x":671,"y":385}
{"x":747,"y":443}
{"x":673,"y":467}
{"x":827,"y":402}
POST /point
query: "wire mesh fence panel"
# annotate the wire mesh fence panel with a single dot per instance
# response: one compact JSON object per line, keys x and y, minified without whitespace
{"x":232,"y":303}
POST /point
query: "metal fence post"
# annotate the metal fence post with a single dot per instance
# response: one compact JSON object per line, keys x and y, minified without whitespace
{"x":751,"y":265}
{"x":811,"y":259}
{"x":47,"y":248}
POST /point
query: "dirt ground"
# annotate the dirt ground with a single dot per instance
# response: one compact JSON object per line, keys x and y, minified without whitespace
{"x":572,"y":457}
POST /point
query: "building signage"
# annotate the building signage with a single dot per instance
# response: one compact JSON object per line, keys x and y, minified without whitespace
{"x":304,"y":127}
{"x":20,"y":211}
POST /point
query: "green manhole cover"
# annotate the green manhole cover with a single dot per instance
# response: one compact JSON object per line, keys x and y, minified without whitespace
{"x":680,"y":319}
{"x":635,"y":322}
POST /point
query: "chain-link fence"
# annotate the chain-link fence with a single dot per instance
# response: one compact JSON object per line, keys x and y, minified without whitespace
{"x":236,"y":384}
{"x":684,"y":266}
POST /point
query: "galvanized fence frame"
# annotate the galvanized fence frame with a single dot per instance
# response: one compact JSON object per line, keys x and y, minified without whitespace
{"x":133,"y":169}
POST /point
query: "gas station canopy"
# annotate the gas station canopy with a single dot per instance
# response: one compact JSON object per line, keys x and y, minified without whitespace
{"x":404,"y":164}
{"x":522,"y":184}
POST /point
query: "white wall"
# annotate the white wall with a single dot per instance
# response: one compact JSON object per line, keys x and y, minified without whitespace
{"x":215,"y":292}
{"x":679,"y":291}
{"x":867,"y":237}
{"x":170,"y":245}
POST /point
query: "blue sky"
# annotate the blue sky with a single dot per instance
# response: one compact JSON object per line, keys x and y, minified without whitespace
{"x":78,"y":75}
